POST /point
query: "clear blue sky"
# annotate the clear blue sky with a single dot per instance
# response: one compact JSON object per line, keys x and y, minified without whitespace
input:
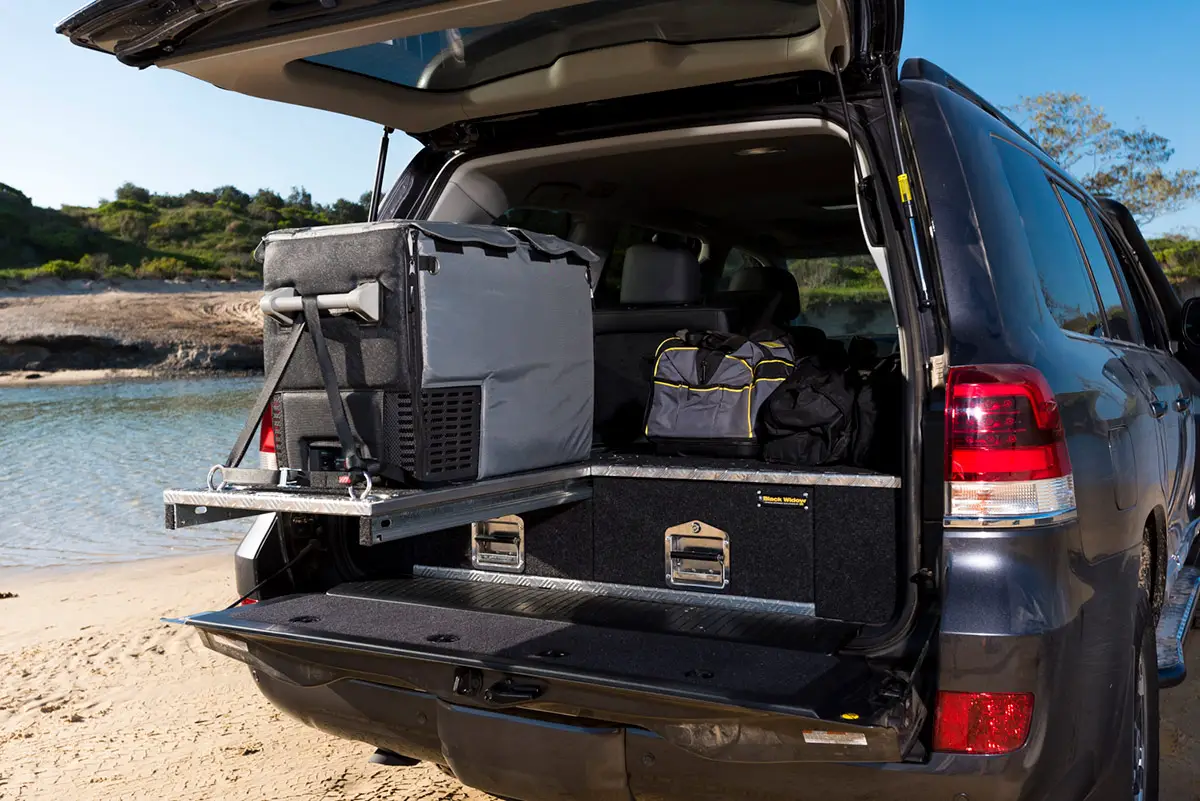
{"x":74,"y":125}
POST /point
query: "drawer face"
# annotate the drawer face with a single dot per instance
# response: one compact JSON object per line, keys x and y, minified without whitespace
{"x":640,"y":522}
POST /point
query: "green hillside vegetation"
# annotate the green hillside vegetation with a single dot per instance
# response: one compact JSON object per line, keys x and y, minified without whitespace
{"x":214,"y":234}
{"x":1179,"y":257}
{"x":143,"y":235}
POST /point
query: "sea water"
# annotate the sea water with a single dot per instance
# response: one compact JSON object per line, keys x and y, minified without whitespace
{"x":82,"y":468}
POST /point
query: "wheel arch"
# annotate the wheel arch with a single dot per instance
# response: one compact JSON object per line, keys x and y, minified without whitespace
{"x":1153,"y":573}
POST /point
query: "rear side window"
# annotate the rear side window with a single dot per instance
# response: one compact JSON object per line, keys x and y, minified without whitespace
{"x":1121,"y":321}
{"x":1062,"y":272}
{"x":845,"y":297}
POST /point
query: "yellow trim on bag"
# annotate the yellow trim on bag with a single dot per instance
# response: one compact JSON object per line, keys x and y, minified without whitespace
{"x":658,"y":361}
{"x":700,"y":389}
{"x":750,"y":406}
{"x":665,"y":341}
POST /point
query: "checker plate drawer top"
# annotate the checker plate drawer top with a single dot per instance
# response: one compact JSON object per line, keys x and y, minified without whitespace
{"x":697,"y":556}
{"x":499,"y":544}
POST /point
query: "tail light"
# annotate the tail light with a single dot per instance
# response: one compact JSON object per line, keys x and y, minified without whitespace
{"x":266,"y":441}
{"x":982,"y":723}
{"x":1006,"y":454}
{"x":266,"y":432}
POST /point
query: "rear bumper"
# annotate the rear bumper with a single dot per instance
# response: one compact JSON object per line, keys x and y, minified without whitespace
{"x":362,"y":675}
{"x":535,"y":760}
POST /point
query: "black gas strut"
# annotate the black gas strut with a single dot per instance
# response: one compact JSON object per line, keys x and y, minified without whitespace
{"x":906,"y":196}
{"x":377,"y":190}
{"x":860,"y":184}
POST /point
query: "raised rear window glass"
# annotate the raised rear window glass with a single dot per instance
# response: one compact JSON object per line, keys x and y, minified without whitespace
{"x":1061,"y":270}
{"x":1121,"y":322}
{"x":460,"y":58}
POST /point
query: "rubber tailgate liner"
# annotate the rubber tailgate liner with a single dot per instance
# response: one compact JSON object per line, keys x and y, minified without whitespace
{"x":735,"y":668}
{"x":776,"y":629}
{"x":658,"y":648}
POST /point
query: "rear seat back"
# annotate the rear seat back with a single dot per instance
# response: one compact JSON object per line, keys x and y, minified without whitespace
{"x":660,"y":295}
{"x":753,"y":289}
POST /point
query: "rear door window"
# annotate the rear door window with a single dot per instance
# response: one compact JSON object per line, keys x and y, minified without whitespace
{"x":1063,"y":274}
{"x":1122,"y":323}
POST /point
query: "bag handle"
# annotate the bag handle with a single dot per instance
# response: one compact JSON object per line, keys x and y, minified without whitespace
{"x":712,"y":350}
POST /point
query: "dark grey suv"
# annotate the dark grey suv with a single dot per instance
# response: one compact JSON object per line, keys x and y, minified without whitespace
{"x":971,"y":616}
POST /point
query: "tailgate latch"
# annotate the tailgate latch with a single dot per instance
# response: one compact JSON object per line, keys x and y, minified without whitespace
{"x":697,"y":556}
{"x":509,"y":692}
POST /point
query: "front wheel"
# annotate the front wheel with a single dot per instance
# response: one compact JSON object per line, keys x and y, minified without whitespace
{"x":1145,"y":717}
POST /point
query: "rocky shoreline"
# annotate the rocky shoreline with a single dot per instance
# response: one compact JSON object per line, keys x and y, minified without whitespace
{"x":178,"y":331}
{"x":52,"y":354}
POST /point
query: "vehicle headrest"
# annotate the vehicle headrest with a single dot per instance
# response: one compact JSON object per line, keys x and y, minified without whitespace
{"x":770,"y":280}
{"x":655,"y":275}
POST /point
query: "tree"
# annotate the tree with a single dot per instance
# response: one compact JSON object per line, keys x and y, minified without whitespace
{"x":1138,"y":180}
{"x":233,"y":196}
{"x":195,"y":197}
{"x":300,"y":198}
{"x":1128,"y":165}
{"x":265,"y":206}
{"x":128,"y":191}
{"x":346,"y":211}
{"x":267,"y":199}
{"x":167,"y":201}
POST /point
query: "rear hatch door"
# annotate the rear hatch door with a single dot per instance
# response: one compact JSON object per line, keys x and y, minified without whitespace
{"x":736,"y":686}
{"x":422,"y":65}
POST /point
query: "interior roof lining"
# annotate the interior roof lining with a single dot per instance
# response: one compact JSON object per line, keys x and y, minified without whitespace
{"x":655,"y":140}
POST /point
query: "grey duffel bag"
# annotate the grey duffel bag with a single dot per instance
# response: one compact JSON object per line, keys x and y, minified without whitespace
{"x":708,"y":389}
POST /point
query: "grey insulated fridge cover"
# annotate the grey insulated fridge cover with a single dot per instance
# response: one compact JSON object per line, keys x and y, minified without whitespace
{"x":521,"y":325}
{"x":503,"y":310}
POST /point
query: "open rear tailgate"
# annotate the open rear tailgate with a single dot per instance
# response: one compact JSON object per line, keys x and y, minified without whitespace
{"x":726,"y":685}
{"x":421,"y":65}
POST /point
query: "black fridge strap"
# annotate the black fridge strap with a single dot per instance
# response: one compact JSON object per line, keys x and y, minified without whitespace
{"x":270,"y":384}
{"x":337,"y":408}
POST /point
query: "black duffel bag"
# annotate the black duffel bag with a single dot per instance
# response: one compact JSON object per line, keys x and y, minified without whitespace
{"x":878,"y":435}
{"x":812,"y":417}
